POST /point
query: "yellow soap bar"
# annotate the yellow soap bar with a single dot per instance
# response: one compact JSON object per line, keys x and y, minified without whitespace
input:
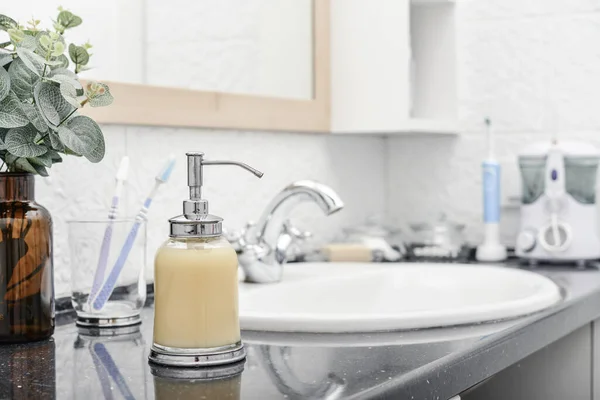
{"x":347,"y":252}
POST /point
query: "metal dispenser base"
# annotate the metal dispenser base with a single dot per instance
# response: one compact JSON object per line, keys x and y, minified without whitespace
{"x":177,"y":357}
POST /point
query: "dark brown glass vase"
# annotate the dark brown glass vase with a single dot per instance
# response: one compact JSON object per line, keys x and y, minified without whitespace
{"x":26,"y":269}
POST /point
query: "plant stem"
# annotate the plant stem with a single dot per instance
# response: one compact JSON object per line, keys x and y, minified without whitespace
{"x":83,"y":103}
{"x":42,"y":138}
{"x":67,"y":117}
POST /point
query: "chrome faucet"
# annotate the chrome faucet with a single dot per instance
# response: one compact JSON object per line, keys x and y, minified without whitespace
{"x":276,"y":361}
{"x":264,"y":246}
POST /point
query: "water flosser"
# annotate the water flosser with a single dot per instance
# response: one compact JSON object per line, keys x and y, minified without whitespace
{"x":491,"y":249}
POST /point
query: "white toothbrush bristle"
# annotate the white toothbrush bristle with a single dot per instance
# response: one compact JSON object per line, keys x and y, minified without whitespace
{"x":123,"y":169}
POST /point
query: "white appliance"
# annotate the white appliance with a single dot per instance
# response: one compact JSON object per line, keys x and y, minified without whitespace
{"x":559,"y":217}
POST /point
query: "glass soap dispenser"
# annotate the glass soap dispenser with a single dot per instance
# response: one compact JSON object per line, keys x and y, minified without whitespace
{"x":196,"y":319}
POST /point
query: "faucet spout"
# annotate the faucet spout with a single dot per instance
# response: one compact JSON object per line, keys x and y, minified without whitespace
{"x":268,"y":227}
{"x":265,"y":246}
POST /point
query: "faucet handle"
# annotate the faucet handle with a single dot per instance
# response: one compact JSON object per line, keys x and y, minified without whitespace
{"x":295,"y":232}
{"x":294,"y":240}
{"x":241,"y":237}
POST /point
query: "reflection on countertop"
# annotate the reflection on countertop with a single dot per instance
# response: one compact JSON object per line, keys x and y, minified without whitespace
{"x":81,"y":364}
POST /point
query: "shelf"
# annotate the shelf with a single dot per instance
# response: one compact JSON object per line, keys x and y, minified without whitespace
{"x":414,"y":126}
{"x":430,"y":2}
{"x":393,"y":67}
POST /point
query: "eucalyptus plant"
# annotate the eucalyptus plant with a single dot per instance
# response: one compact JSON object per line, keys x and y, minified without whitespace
{"x":40,"y":94}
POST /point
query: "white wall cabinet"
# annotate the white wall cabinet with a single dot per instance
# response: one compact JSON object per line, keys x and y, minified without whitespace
{"x":393,"y":67}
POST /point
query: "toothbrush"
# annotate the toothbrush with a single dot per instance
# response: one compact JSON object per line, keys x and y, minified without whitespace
{"x":112,"y":215}
{"x":102,"y":375}
{"x":111,"y":367}
{"x":111,"y":280}
{"x":491,"y":249}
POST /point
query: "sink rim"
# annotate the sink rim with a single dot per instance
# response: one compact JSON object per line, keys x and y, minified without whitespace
{"x":548,"y":293}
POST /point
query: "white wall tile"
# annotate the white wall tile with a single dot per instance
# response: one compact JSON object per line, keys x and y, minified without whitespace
{"x":521,"y":9}
{"x":501,"y":73}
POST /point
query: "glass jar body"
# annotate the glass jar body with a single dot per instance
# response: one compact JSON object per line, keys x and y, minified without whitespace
{"x":196,"y":295}
{"x":26,"y":264}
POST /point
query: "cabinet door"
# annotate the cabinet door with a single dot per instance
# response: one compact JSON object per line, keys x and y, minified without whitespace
{"x":557,"y":372}
{"x":596,"y":359}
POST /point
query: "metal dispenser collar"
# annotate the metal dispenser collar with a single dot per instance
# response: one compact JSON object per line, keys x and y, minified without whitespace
{"x":196,"y":221}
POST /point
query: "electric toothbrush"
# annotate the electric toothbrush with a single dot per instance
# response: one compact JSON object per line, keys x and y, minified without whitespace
{"x":491,"y":250}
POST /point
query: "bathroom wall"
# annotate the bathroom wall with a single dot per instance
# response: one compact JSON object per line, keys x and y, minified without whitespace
{"x":76,"y":189}
{"x":534,"y":67}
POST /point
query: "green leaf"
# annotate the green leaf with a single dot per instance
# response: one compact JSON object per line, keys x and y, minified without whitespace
{"x":5,"y":58}
{"x":58,"y":77}
{"x":21,"y":142}
{"x":59,"y":48}
{"x":41,"y":170}
{"x":22,"y":79}
{"x":44,"y":41}
{"x":3,"y":133}
{"x":101,"y":97}
{"x":10,"y":159}
{"x":79,"y":55}
{"x":28,"y":43}
{"x":55,"y":141}
{"x":60,"y":62}
{"x":4,"y":83}
{"x":47,"y":41}
{"x":16,"y":35}
{"x":64,"y":71}
{"x":4,"y":45}
{"x":45,"y":160}
{"x":34,"y":116}
{"x":21,"y":164}
{"x":33,"y":61}
{"x":82,"y":135}
{"x":11,"y":114}
{"x":7,"y":23}
{"x":68,"y":20}
{"x":69,"y":93}
{"x":54,"y":156}
{"x":53,"y":63}
{"x":53,"y":107}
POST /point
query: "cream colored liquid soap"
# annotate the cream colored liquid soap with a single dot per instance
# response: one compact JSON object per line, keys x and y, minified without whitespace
{"x":196,"y":319}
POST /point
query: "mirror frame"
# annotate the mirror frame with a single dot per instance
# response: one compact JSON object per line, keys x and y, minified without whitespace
{"x":139,"y":104}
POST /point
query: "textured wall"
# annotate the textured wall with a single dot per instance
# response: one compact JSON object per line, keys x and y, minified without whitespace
{"x":211,"y":45}
{"x":77,"y":189}
{"x":534,"y":66}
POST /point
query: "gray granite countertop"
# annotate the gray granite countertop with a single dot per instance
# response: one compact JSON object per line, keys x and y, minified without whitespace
{"x":425,"y":364}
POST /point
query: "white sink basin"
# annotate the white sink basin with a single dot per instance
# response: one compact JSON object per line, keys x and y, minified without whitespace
{"x":356,"y":297}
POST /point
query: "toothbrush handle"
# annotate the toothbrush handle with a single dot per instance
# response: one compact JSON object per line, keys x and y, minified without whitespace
{"x":102,"y":261}
{"x":113,"y":370}
{"x":111,"y":281}
{"x":102,"y":375}
{"x":104,"y":249}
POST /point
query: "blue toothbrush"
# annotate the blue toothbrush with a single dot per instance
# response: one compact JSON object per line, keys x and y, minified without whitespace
{"x":102,"y":375}
{"x":111,"y":367}
{"x":112,"y":215}
{"x":110,"y":283}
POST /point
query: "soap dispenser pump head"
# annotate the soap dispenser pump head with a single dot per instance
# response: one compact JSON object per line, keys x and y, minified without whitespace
{"x":196,"y":221}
